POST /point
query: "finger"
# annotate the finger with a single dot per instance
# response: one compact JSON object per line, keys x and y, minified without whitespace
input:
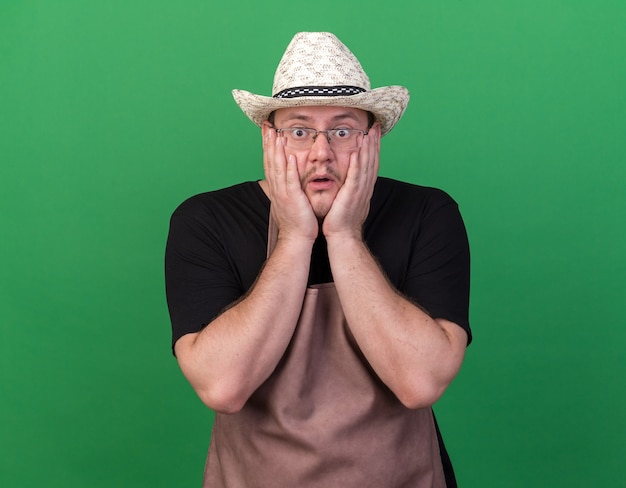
{"x":266,"y":155}
{"x":269,"y":153}
{"x":292,"y":175}
{"x":373,"y":156}
{"x":363,"y":168}
{"x":279,"y":164}
{"x":369,"y":154}
{"x":362,"y":163}
{"x":274,"y":162}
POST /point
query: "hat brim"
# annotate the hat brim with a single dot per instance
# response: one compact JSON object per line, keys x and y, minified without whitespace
{"x":386,"y":103}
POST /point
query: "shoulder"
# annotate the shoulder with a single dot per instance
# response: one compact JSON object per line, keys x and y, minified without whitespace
{"x":404,"y":190}
{"x":406,"y":220}
{"x":239,"y":196}
{"x":408,"y":198}
{"x":232,"y":220}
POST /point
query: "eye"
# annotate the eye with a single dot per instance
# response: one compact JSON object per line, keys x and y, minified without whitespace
{"x":342,"y":133}
{"x":299,"y":133}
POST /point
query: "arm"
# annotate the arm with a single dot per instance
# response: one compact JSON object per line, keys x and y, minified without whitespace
{"x":415,"y":355}
{"x":233,"y":355}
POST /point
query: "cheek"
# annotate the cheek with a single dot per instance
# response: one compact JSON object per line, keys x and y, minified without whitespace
{"x":342,"y":168}
{"x":301,"y":165}
{"x":302,"y":170}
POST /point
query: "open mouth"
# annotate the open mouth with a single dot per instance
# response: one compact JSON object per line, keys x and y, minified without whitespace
{"x":321,"y":183}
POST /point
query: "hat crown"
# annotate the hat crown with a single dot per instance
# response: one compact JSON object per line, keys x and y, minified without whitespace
{"x":318,"y":59}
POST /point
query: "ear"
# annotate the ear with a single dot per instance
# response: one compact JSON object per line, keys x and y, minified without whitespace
{"x":265,"y":127}
{"x":375,"y":130}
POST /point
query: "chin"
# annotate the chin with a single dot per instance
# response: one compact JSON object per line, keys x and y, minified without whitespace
{"x":320,"y":213}
{"x":321,"y":208}
{"x":321,"y":203}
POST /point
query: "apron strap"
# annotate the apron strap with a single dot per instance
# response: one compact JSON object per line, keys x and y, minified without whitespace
{"x":272,"y":234}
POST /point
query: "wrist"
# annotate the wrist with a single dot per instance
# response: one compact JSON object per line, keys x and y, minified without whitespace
{"x":295,"y":242}
{"x":345,"y":242}
{"x":345,"y":236}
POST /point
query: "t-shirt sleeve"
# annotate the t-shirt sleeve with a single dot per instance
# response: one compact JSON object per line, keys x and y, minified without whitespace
{"x":438,"y":275}
{"x":199,"y":279}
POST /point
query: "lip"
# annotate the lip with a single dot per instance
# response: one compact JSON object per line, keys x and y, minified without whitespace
{"x":321,"y":182}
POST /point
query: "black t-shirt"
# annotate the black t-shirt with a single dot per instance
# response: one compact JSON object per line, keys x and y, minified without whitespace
{"x":217,"y":245}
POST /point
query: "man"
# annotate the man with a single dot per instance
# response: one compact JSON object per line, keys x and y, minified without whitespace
{"x":321,"y":311}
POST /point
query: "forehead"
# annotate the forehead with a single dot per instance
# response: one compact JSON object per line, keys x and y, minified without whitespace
{"x":321,"y":114}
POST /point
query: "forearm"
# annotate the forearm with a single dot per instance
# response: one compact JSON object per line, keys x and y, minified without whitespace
{"x":230,"y":358}
{"x":414,"y":355}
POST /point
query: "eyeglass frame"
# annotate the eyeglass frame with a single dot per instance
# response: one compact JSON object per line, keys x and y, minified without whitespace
{"x":318,"y":132}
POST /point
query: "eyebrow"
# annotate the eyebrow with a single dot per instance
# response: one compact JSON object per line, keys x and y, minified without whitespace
{"x":335,"y":119}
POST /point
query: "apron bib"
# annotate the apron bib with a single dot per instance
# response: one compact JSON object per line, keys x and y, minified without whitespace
{"x":323,"y":418}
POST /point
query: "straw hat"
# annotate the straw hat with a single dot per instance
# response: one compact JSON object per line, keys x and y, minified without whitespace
{"x":318,"y":69}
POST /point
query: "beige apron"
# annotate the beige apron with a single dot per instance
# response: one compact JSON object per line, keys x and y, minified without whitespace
{"x":323,"y":418}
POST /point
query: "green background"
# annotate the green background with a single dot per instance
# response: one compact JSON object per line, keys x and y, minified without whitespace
{"x":112,"y":113}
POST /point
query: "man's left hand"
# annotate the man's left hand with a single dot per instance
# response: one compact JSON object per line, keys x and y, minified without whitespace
{"x":351,"y":206}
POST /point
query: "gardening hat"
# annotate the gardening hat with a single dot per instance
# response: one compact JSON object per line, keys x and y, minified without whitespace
{"x":318,"y":69}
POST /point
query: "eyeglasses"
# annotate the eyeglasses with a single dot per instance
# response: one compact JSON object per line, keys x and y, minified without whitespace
{"x":304,"y":138}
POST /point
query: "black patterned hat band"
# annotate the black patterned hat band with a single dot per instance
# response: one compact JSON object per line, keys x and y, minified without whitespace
{"x":319,"y":91}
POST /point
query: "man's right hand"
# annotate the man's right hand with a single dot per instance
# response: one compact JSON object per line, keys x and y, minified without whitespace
{"x":291,"y":209}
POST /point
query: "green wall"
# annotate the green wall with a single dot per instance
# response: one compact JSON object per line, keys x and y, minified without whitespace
{"x":112,"y":113}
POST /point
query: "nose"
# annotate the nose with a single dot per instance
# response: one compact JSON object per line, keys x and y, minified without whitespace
{"x":321,"y":150}
{"x":325,"y":133}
